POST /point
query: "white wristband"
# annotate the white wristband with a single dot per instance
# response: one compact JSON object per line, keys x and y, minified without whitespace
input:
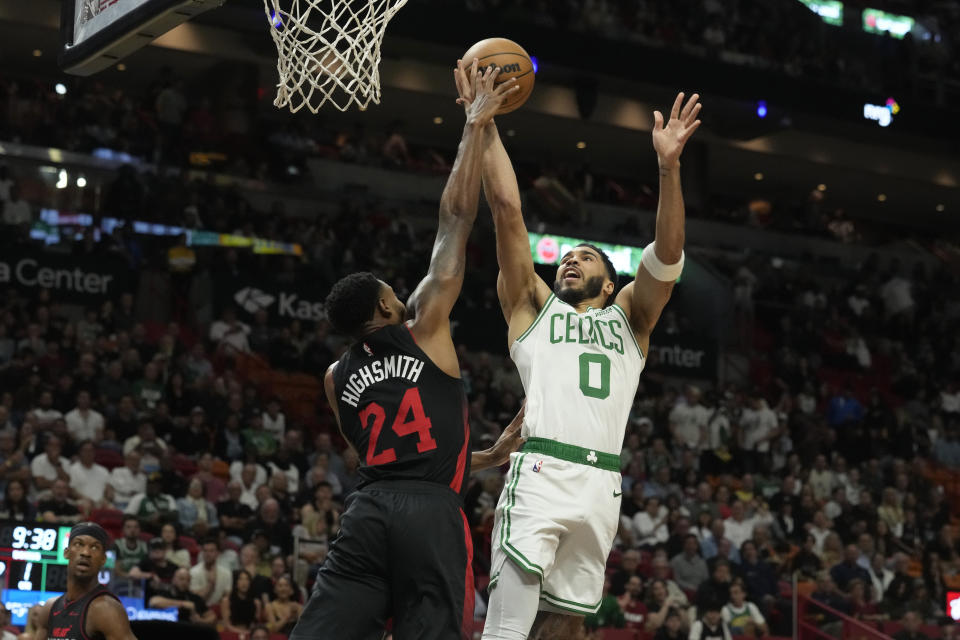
{"x":660,"y":271}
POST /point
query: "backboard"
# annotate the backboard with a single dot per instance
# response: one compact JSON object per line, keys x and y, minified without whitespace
{"x":96,"y":34}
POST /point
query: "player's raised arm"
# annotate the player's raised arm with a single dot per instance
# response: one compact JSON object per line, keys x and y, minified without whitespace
{"x":434,"y":297}
{"x":644,"y":298}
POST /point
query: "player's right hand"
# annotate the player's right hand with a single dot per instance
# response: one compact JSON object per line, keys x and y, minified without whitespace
{"x":480,"y":94}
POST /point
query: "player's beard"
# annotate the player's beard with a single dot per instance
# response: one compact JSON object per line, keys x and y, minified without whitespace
{"x":590,"y":289}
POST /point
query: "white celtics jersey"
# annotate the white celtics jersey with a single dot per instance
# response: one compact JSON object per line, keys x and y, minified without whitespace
{"x":580,"y":373}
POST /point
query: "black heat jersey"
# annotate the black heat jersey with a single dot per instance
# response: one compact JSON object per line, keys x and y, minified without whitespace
{"x":406,"y":418}
{"x":68,"y":619}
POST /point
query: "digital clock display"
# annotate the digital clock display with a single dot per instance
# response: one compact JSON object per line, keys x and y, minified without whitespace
{"x":32,"y":565}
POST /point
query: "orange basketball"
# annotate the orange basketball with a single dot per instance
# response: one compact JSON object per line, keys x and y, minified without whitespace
{"x":513,"y":62}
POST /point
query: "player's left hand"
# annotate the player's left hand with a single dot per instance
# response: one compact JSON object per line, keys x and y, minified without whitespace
{"x":669,"y":139}
{"x":510,"y":440}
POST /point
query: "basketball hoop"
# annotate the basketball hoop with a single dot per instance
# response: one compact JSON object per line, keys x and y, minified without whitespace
{"x":328,"y":51}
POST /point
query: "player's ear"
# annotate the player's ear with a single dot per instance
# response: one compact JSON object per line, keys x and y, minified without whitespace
{"x":608,"y":288}
{"x":66,"y":552}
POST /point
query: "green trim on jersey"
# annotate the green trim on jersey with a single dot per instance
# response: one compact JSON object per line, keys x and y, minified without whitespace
{"x":569,"y":605}
{"x":629,"y":328}
{"x":512,"y":552}
{"x":543,"y":311}
{"x":573,"y":453}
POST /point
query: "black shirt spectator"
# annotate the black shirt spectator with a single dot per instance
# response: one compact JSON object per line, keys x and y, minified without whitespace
{"x":758,"y":576}
{"x":848,"y":570}
{"x":234,"y":515}
{"x":59,"y":504}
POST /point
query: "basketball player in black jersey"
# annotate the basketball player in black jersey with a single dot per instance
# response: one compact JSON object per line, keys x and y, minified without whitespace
{"x":87,"y":611}
{"x":404,"y":549}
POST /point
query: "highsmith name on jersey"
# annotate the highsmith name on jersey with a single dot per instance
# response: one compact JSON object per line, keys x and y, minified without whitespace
{"x":580,"y":373}
{"x":397,"y":366}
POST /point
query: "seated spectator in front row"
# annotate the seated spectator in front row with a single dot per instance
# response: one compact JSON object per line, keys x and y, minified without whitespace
{"x":155,"y":567}
{"x":911,"y":628}
{"x":208,"y":578}
{"x":743,"y":617}
{"x":672,"y":628}
{"x":710,"y":626}
{"x":190,"y":606}
{"x":632,"y":605}
{"x":240,"y":608}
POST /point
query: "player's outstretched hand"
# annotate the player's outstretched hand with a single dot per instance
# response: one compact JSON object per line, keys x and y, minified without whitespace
{"x":510,"y":440}
{"x":479,"y":93}
{"x":669,"y":139}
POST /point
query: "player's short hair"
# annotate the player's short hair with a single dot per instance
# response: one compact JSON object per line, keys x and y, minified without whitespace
{"x":352,"y":301}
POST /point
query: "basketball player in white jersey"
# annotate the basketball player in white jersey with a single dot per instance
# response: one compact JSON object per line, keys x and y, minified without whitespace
{"x":579,"y":347}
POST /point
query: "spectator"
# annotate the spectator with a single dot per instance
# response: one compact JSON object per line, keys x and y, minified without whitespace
{"x":631,"y":602}
{"x":758,"y":427}
{"x":710,"y":625}
{"x":891,"y":511}
{"x":13,"y":462}
{"x":880,"y":576}
{"x":689,"y":568}
{"x":49,"y":466}
{"x":806,"y":561}
{"x":716,"y":543}
{"x":911,"y":627}
{"x":16,"y":507}
{"x":759,"y":578}
{"x":608,"y":615}
{"x":130,"y":549}
{"x":215,"y":489}
{"x":16,"y":211}
{"x":208,"y":578}
{"x":715,"y":591}
{"x":629,"y":568}
{"x":821,"y":479}
{"x":659,"y":605}
{"x":153,"y":507}
{"x":229,"y":334}
{"x":87,"y":478}
{"x":148,"y":445}
{"x":173,"y":549}
{"x":269,"y":521}
{"x":672,"y":628}
{"x":234,"y":515}
{"x":240,"y":609}
{"x":274,"y":422}
{"x":688,"y":421}
{"x":190,"y":606}
{"x":58,"y":507}
{"x":743,"y":617}
{"x":128,"y":480}
{"x":650,"y":525}
{"x":282,"y":612}
{"x":660,"y":569}
{"x":738,"y":528}
{"x":83,"y":422}
{"x":197,"y":516}
{"x":849,"y":569}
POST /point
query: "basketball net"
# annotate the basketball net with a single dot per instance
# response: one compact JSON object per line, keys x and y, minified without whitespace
{"x":328,"y":51}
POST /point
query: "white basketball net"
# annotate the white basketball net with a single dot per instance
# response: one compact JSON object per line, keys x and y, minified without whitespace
{"x":329,"y":51}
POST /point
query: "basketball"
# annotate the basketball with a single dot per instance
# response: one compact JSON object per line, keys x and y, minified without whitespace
{"x":513,"y":62}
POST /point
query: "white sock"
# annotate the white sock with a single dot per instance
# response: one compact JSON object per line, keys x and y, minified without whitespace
{"x":513,"y":605}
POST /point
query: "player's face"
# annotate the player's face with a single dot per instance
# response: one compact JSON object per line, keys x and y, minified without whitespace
{"x":397,"y":309}
{"x":581,"y":277}
{"x":85,"y":556}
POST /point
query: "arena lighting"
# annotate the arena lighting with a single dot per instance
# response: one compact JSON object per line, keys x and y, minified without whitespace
{"x":758,"y":176}
{"x":881,"y":197}
{"x":437,"y":120}
{"x":830,"y":11}
{"x":535,"y":63}
{"x":511,"y":133}
{"x":37,"y":53}
{"x":60,"y":88}
{"x":581,"y":145}
{"x":821,"y":187}
{"x":762,"y":109}
{"x":275,"y":20}
{"x":876,"y":21}
{"x":883,"y":114}
{"x":121,"y":67}
{"x":940,"y":208}
{"x":63,"y":179}
{"x":81,"y":182}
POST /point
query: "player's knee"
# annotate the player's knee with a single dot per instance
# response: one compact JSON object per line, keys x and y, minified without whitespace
{"x":556,"y":626}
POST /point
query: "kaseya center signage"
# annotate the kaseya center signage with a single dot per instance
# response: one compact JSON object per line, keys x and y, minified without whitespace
{"x":683,"y":355}
{"x":281,"y":302}
{"x":72,"y":279}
